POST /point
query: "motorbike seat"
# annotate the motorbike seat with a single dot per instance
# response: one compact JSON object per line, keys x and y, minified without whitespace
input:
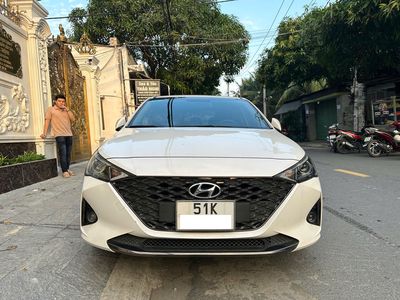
{"x":391,"y":132}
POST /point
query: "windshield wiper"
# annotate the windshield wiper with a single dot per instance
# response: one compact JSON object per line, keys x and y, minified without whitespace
{"x":195,"y":125}
{"x":142,"y":126}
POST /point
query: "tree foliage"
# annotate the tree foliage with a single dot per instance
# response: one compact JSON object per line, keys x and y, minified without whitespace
{"x":160,"y":32}
{"x":291,"y":60}
{"x":356,"y":35}
{"x":390,"y":8}
{"x":331,"y":43}
{"x":296,"y":90}
{"x":251,"y":89}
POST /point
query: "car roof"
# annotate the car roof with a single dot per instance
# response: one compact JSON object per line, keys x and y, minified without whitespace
{"x":196,"y":96}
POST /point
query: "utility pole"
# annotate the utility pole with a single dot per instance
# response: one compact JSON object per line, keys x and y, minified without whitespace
{"x":240,"y":93}
{"x":264,"y":100}
{"x":359,"y":102}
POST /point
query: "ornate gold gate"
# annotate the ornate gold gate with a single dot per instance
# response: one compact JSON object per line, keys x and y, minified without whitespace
{"x":65,"y":78}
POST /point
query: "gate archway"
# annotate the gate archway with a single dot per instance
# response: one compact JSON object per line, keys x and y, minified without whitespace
{"x":66,"y":78}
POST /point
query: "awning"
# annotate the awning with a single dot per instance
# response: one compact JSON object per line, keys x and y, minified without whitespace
{"x":325,"y":97}
{"x":290,"y":106}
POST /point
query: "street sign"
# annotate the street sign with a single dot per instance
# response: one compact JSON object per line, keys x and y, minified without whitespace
{"x":146,"y":88}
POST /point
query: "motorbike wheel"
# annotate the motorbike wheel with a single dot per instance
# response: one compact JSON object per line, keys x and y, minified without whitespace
{"x":341,"y":147}
{"x":374,"y":149}
{"x":334,"y":147}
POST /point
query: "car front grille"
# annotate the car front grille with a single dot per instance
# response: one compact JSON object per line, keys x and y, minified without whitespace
{"x":128,"y":243}
{"x":153,"y":199}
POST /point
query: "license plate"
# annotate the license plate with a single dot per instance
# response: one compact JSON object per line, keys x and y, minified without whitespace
{"x":205,"y":215}
{"x":367,"y":139}
{"x":332,"y":137}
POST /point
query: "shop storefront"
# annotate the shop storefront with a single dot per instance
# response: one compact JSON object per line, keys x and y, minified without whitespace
{"x":385,"y":111}
{"x":383,"y":104}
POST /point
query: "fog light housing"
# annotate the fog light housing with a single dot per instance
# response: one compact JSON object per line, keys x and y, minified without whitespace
{"x":88,"y":215}
{"x":314,"y":216}
{"x":91,"y":217}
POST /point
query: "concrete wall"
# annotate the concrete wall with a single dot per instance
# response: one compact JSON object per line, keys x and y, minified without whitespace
{"x":345,"y":112}
{"x":310,"y":121}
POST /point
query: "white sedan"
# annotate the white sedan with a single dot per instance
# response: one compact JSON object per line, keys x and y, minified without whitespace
{"x":200,"y":175}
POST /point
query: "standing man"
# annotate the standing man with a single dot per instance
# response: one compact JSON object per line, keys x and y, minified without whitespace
{"x":60,"y":118}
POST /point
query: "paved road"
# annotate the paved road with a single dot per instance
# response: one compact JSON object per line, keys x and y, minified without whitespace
{"x":358,"y":257}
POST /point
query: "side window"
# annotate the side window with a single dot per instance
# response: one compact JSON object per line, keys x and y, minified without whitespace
{"x":153,"y":113}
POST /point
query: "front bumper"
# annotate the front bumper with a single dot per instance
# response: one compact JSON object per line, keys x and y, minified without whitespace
{"x":133,"y":245}
{"x":118,"y":229}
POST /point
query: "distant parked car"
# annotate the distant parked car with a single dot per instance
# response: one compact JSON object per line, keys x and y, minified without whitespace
{"x":200,"y":175}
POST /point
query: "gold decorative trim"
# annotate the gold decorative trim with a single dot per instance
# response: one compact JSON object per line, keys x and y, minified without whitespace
{"x":11,"y":12}
{"x":85,"y":45}
{"x":61,"y":37}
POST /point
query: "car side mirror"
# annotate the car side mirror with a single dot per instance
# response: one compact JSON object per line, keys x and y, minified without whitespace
{"x":120,"y":123}
{"x":276,"y":124}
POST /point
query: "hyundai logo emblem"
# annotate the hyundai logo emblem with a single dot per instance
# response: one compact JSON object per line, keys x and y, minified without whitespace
{"x":204,"y":190}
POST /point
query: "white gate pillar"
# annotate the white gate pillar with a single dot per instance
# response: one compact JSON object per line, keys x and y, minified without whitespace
{"x":88,"y":65}
{"x":40,"y":83}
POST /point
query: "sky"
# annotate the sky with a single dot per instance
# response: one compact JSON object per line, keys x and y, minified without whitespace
{"x":260,"y":18}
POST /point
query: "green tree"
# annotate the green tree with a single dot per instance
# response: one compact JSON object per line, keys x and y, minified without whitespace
{"x":78,"y":19}
{"x":289,"y":69}
{"x":355,"y":35}
{"x":390,"y":8}
{"x":332,"y":44}
{"x":188,"y":44}
{"x":251,"y":89}
{"x":290,"y":61}
{"x":296,"y":90}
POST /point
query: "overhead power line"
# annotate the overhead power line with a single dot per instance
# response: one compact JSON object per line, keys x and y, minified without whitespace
{"x":185,"y":45}
{"x":106,"y":14}
{"x":59,"y":18}
{"x":311,"y":3}
{"x":327,"y":3}
{"x":258,"y":49}
{"x":249,"y":66}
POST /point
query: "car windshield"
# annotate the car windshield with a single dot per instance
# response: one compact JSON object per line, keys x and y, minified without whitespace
{"x":198,"y":112}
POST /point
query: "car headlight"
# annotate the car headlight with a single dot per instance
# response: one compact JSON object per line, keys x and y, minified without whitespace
{"x":300,"y":172}
{"x":99,"y":168}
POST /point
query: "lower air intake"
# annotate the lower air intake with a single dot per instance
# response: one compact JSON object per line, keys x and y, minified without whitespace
{"x":130,"y":243}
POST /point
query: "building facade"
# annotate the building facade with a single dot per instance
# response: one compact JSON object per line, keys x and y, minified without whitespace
{"x":98,"y":81}
{"x":24,"y":78}
{"x":376,"y":102}
{"x":109,"y":72}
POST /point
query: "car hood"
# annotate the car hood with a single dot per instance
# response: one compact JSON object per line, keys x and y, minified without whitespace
{"x":207,"y":142}
{"x":202,"y":152}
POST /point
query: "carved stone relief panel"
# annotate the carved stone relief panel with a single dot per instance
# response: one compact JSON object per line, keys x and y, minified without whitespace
{"x":14,"y":111}
{"x":43,"y":66}
{"x":42,"y":33}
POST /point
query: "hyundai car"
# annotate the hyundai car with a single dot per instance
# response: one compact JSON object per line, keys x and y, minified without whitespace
{"x":200,"y":175}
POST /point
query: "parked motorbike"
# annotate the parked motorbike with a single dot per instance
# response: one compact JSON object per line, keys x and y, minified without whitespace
{"x":354,"y":141}
{"x":385,"y":141}
{"x":333,"y":132}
